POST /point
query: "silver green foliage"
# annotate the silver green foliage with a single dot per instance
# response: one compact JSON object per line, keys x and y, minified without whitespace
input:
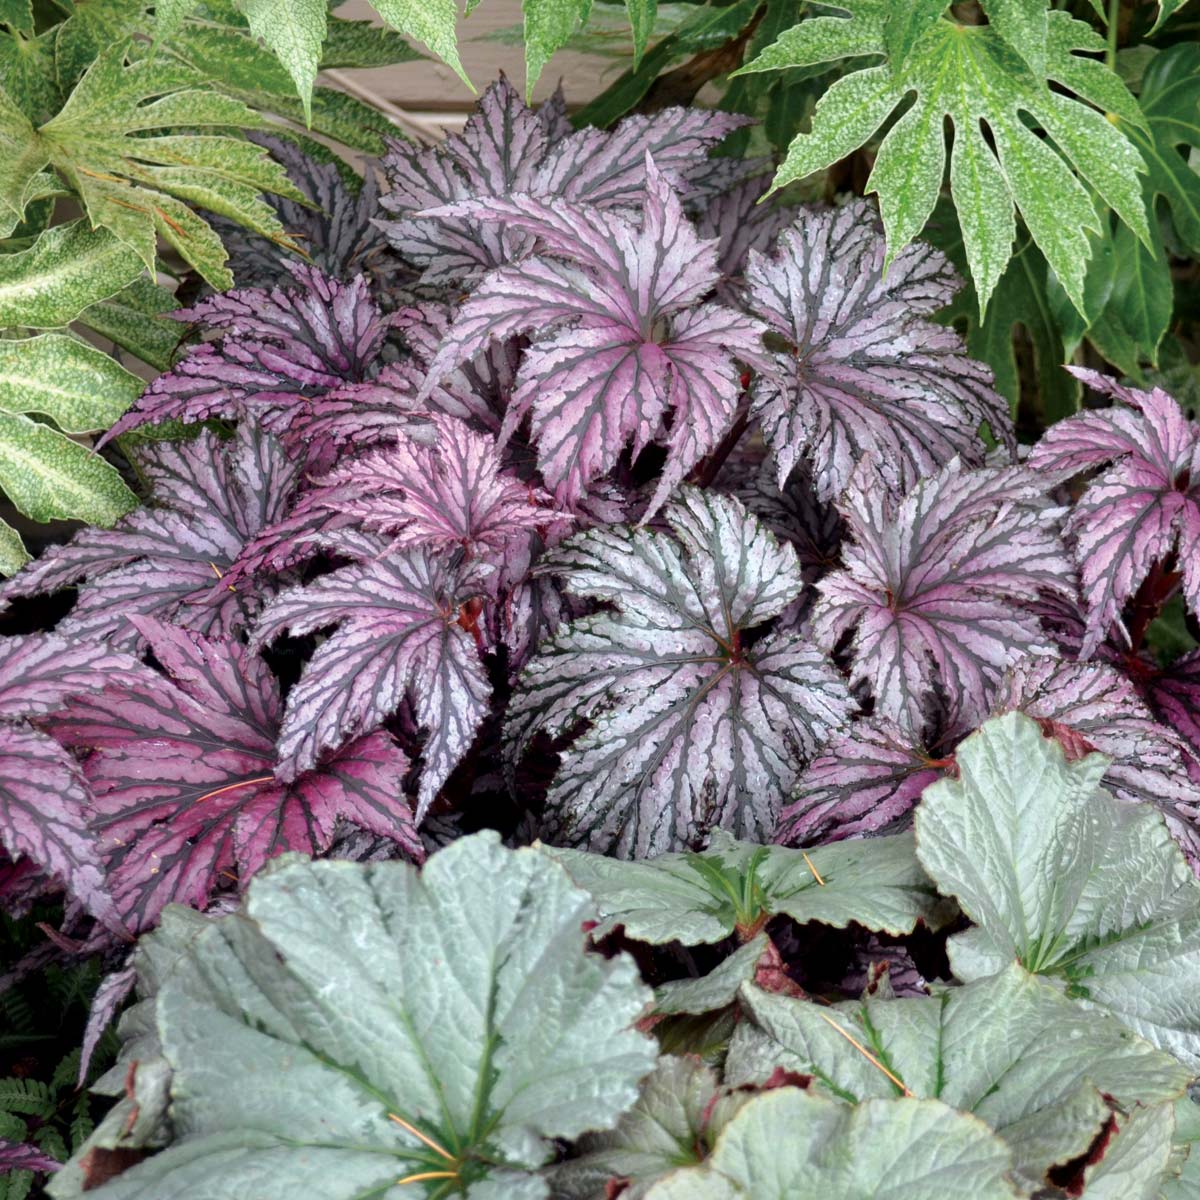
{"x":1059,"y":876}
{"x":348,"y":1005}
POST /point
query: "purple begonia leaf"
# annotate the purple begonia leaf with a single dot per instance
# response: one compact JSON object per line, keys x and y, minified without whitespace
{"x":403,"y":628}
{"x":876,"y":961}
{"x":38,"y":672}
{"x":112,"y":992}
{"x":280,"y":348}
{"x":22,"y":882}
{"x":933,"y":587}
{"x":449,"y":494}
{"x":507,"y":149}
{"x":869,"y":776}
{"x":43,"y":815}
{"x":338,"y":231}
{"x":867,"y":374}
{"x":627,"y":356}
{"x":741,"y":224}
{"x":211,"y":499}
{"x":183,"y":774}
{"x":689,"y":727}
{"x":1091,"y":706}
{"x":22,"y":1156}
{"x":1144,"y":509}
{"x":1174,"y":693}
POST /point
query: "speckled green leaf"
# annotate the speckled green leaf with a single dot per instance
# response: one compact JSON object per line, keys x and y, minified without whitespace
{"x":335,"y":114}
{"x":21,"y":158}
{"x":293,"y":30}
{"x":1167,"y":9}
{"x":974,"y":76}
{"x":169,"y":15}
{"x":13,"y":555}
{"x":49,"y":477}
{"x":641,"y":19}
{"x":549,"y":24}
{"x":429,"y":21}
{"x":17,"y":14}
{"x":133,"y":320}
{"x":81,"y":389}
{"x":361,"y":44}
{"x":1066,"y":880}
{"x":69,"y":268}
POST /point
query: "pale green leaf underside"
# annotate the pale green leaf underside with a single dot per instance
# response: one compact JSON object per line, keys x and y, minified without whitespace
{"x":459,"y":998}
{"x":1062,"y":878}
{"x":974,"y":76}
{"x":13,"y":555}
{"x":1009,"y":1049}
{"x":877,"y":883}
{"x":549,"y":25}
{"x":81,"y":389}
{"x":791,"y":1145}
{"x":295,"y":31}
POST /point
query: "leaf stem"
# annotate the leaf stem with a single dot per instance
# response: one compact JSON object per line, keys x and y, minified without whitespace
{"x":423,"y":1137}
{"x":1114,"y":23}
{"x":864,"y":1052}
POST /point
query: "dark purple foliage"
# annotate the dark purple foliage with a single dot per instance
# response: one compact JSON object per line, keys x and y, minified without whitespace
{"x":189,"y":794}
{"x":1174,"y":693}
{"x":1143,"y":510}
{"x":210,"y":499}
{"x":626,"y":356}
{"x":21,"y":1156}
{"x":866,"y":373}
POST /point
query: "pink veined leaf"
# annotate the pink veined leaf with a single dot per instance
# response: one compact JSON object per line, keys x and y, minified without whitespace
{"x":184,"y":773}
{"x":114,"y":989}
{"x":866,"y":375}
{"x":1174,"y":693}
{"x":406,"y":625}
{"x":281,"y":348}
{"x":1092,"y":707}
{"x":168,"y":560}
{"x":38,"y":672}
{"x":617,"y":362}
{"x":449,"y":494}
{"x":688,"y":724}
{"x":507,"y":149}
{"x":868,"y":777}
{"x":876,"y":960}
{"x":1143,"y":510}
{"x":23,"y":1156}
{"x":934,"y":588}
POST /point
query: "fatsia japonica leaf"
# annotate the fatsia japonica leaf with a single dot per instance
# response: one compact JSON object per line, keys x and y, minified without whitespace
{"x":973,"y":75}
{"x":404,"y":628}
{"x":933,"y":584}
{"x":445,"y":490}
{"x":691,"y":725}
{"x":506,"y":149}
{"x":167,"y":560}
{"x":623,"y":354}
{"x":283,"y":350}
{"x":704,"y":896}
{"x":1049,"y":1077}
{"x":1143,"y":510}
{"x":183,"y":773}
{"x":865,"y":373}
{"x":1066,"y":880}
{"x":44,"y":798}
{"x":390,"y":1028}
{"x":790,"y":1145}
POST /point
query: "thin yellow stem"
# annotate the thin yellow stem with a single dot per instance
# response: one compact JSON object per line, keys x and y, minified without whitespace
{"x":424,"y":1138}
{"x":865,"y":1053}
{"x":426,"y":1175}
{"x":815,"y":873}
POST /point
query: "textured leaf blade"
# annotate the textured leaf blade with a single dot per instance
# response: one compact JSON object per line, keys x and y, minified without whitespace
{"x":1117,"y":916}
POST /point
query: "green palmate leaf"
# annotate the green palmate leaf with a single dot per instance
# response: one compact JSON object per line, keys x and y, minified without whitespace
{"x":13,"y":555}
{"x":1130,"y":299}
{"x":133,"y":320}
{"x":1167,"y":9}
{"x":790,"y":1145}
{"x":1059,"y":876}
{"x":361,"y":44}
{"x":51,"y":478}
{"x":1021,"y":301}
{"x":115,"y":143}
{"x":642,"y":14}
{"x":716,"y":990}
{"x":1045,"y":1074}
{"x":1170,"y":107}
{"x":972,"y":75}
{"x":679,"y":1114}
{"x":17,"y":14}
{"x":294,"y":31}
{"x":69,"y":268}
{"x":1022,"y":24}
{"x":388,"y":1026}
{"x":703,"y":897}
{"x":81,"y":389}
